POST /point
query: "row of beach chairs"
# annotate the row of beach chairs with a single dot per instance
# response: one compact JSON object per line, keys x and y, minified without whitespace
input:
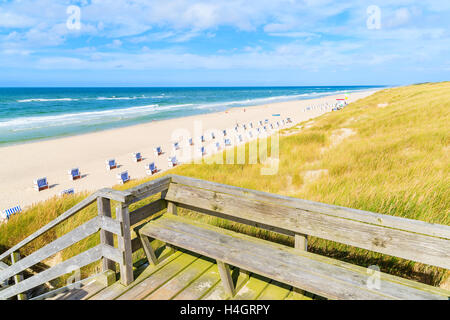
{"x":252,"y":131}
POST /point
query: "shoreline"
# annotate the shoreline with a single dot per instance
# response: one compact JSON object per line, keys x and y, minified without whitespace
{"x":52,"y":158}
{"x":120,"y":126}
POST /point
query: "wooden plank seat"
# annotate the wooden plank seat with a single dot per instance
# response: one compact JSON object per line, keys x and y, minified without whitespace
{"x":317,"y":274}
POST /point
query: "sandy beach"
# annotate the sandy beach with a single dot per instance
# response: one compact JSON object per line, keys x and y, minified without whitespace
{"x":23,"y":163}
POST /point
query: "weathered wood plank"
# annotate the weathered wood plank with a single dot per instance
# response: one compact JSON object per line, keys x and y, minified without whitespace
{"x":148,"y":249}
{"x":199,"y":287}
{"x":126,"y":268}
{"x":148,"y":189}
{"x":147,"y":286}
{"x":146,"y":211}
{"x":275,"y":291}
{"x":62,"y":268}
{"x":54,"y":247}
{"x":252,"y":289}
{"x":401,"y":223}
{"x":177,"y":284}
{"x":281,"y":263}
{"x":172,"y":208}
{"x":403,"y":244}
{"x":218,"y":292}
{"x":115,"y":290}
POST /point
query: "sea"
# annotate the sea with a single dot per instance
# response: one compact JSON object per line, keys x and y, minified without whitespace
{"x":30,"y":114}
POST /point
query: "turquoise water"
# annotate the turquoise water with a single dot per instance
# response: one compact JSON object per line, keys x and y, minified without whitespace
{"x":28,"y":114}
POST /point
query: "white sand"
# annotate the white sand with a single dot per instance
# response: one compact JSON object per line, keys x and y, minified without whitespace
{"x":21,"y":164}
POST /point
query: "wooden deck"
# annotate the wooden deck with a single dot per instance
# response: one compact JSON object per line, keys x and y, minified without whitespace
{"x":184,"y":275}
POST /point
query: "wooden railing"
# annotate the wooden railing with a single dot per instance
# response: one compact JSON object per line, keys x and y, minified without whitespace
{"x":409,"y":239}
{"x":105,"y":250}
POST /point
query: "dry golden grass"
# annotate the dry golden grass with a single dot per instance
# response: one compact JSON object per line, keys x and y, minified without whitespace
{"x":387,"y":153}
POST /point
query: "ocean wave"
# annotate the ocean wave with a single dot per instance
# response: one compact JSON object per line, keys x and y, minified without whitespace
{"x":47,"y":100}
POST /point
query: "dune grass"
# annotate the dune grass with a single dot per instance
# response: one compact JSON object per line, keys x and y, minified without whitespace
{"x":387,"y":153}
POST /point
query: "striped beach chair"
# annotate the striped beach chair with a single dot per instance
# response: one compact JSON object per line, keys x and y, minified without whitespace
{"x":137,"y":157}
{"x":9,"y":212}
{"x":202,"y":151}
{"x":202,"y":139}
{"x":111,"y":164}
{"x":74,"y":174}
{"x":158,"y":151}
{"x":191,"y":142}
{"x":224,"y":133}
{"x":123,"y":177}
{"x":227,"y":142}
{"x":67,"y":192}
{"x":240,"y":138}
{"x":40,"y":184}
{"x":217,"y":146}
{"x":151,"y":169}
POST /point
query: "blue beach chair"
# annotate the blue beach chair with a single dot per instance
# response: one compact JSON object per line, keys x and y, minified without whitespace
{"x":67,"y":192}
{"x":191,"y":142}
{"x":244,"y":126}
{"x":40,"y":184}
{"x":74,"y":174}
{"x":151,"y":169}
{"x":202,"y":139}
{"x":176,"y":146}
{"x":217,"y":145}
{"x":137,"y":157}
{"x":123,"y":177}
{"x":227,"y":142}
{"x":9,"y":212}
{"x":250,"y":134}
{"x":158,"y":151}
{"x":240,"y":138}
{"x":203,"y":151}
{"x":111,"y":164}
{"x":173,"y":162}
{"x":224,"y":133}
{"x":260,"y":123}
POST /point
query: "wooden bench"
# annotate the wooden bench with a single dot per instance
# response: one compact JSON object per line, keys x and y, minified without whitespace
{"x":330,"y":278}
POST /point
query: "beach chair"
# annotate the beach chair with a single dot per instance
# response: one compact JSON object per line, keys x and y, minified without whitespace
{"x":137,"y":157}
{"x":111,"y":164}
{"x":158,"y":151}
{"x":212,"y":136}
{"x":74,"y":174}
{"x":40,"y":184}
{"x":236,"y":128}
{"x":266,"y":121}
{"x":240,"y":138}
{"x":123,"y":177}
{"x":176,"y":146}
{"x":151,"y":169}
{"x":202,"y":151}
{"x":9,"y":212}
{"x":191,"y":142}
{"x":288,"y":120}
{"x":244,"y":126}
{"x":67,"y":192}
{"x":271,"y":126}
{"x":250,"y":135}
{"x":173,"y":162}
{"x":260,"y":123}
{"x":202,"y":139}
{"x":217,"y":145}
{"x":224,"y":133}
{"x":250,"y":125}
{"x":227,"y":142}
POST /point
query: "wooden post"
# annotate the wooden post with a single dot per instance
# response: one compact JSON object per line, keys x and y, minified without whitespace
{"x":301,"y":242}
{"x":104,"y":209}
{"x":225,"y":275}
{"x":15,"y":257}
{"x":126,"y":267}
{"x":171,"y":208}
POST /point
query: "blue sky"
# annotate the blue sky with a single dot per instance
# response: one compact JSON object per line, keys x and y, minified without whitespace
{"x":223,"y":42}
